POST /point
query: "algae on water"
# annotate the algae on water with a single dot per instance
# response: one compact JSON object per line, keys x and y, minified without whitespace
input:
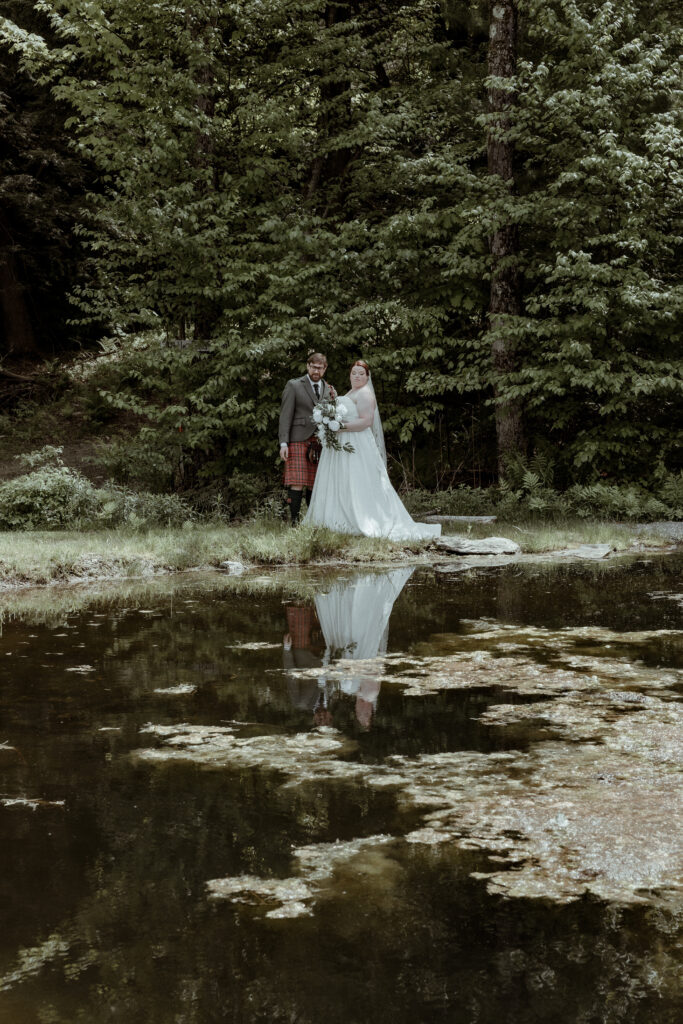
{"x":595,"y":808}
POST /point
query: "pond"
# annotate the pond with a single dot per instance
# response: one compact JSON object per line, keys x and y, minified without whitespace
{"x":345,"y":796}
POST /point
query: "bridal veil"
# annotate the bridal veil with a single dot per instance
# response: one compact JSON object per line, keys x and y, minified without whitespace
{"x":376,"y":427}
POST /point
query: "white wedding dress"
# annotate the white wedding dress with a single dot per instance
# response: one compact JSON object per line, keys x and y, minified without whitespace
{"x":354,"y":614}
{"x":353,"y":493}
{"x":354,"y":618}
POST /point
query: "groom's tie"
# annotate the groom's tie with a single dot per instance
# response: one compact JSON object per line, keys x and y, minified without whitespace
{"x":316,"y":388}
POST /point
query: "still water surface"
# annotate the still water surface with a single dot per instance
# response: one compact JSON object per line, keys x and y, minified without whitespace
{"x":219,"y":798}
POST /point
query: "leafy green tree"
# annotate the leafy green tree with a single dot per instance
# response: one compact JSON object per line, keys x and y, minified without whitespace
{"x":599,"y":212}
{"x":505,"y":302}
{"x":299,"y":175}
{"x":292,"y":184}
{"x":42,"y":184}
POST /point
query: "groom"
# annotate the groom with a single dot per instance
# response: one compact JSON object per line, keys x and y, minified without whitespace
{"x":297,"y":429}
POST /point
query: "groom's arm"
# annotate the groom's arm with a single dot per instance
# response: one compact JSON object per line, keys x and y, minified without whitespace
{"x":286,"y":417}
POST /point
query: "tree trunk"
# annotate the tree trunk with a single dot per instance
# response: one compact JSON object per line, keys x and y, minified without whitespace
{"x":504,"y":242}
{"x":332,"y":165}
{"x":16,"y":330}
{"x":207,"y":313}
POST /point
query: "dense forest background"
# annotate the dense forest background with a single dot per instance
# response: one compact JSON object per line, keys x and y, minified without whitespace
{"x":481,"y":199}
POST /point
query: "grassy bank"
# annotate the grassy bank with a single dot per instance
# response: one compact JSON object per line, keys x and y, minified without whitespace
{"x":54,"y":557}
{"x":39,"y":558}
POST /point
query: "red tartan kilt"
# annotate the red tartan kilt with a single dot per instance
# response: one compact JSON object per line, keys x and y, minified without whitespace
{"x":299,"y":472}
{"x":300,"y":622}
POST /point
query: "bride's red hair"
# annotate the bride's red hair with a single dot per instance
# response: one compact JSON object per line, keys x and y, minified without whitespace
{"x":361,"y":362}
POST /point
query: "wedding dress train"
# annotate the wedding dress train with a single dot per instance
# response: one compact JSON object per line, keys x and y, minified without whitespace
{"x":354,"y":614}
{"x":354,"y":619}
{"x":353,"y":493}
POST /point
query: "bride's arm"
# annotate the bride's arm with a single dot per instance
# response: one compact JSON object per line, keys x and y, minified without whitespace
{"x":365,"y":404}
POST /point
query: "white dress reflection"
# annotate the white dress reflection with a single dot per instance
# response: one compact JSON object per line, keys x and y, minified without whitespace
{"x":354,"y":618}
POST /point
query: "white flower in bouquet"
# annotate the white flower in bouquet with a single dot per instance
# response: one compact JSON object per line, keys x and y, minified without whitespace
{"x":330,"y":419}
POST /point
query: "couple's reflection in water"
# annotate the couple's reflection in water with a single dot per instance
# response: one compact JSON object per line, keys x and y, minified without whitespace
{"x":347,"y":623}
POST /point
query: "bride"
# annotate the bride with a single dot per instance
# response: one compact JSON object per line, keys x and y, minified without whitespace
{"x":352,"y":491}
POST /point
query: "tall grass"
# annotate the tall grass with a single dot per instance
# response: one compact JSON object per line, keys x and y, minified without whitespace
{"x":46,"y":557}
{"x":50,"y":557}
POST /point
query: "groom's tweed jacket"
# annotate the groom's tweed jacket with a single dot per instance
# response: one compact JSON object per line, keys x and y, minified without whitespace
{"x":298,"y":400}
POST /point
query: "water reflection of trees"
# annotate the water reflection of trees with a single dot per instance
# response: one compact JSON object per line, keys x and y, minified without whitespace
{"x":118,"y":874}
{"x":417,"y":939}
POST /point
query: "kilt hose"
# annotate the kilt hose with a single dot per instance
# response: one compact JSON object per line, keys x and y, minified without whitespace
{"x":299,"y":472}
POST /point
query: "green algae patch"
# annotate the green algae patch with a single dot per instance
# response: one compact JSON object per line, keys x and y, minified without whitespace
{"x":599,"y":811}
{"x":31,"y":961}
{"x":317,"y":865}
{"x":308,"y":754}
{"x":596,"y":809}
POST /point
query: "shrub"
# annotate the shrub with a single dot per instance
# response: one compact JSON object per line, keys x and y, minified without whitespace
{"x":248,"y":493}
{"x":123,"y":507}
{"x":532,"y":499}
{"x":456,"y":501}
{"x":611,"y":502}
{"x":242,"y":496}
{"x":51,"y":496}
{"x":133,"y":461}
{"x":671,"y":493}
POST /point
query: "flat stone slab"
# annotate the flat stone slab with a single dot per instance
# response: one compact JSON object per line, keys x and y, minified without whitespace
{"x":233,"y":568}
{"x":595,"y":551}
{"x":458,"y":519}
{"x":488,"y":546}
{"x":483,"y":562}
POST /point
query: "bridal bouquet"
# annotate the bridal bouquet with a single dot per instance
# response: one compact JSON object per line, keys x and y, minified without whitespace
{"x":330,"y":419}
